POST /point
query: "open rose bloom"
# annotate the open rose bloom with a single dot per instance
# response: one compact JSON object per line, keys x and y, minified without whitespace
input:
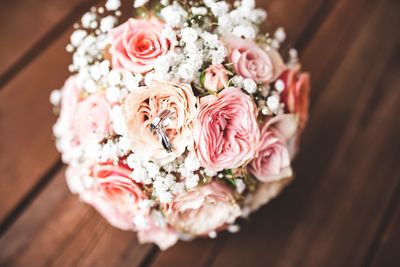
{"x":175,"y":129}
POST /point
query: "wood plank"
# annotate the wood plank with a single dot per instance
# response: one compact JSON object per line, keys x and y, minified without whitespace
{"x":333,"y":40}
{"x":196,"y":253}
{"x":294,"y":16}
{"x":331,"y":213}
{"x":26,"y":147}
{"x":22,"y":29}
{"x":58,"y":230}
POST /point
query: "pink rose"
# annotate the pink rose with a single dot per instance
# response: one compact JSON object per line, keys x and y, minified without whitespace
{"x":64,"y":130}
{"x":285,"y":128}
{"x":215,"y":78}
{"x":114,"y":194}
{"x":92,"y":119}
{"x":250,"y":61}
{"x":273,"y":160}
{"x":70,"y":96}
{"x":296,"y":94}
{"x":227,"y":132}
{"x":143,"y":105}
{"x":137,"y":43}
{"x":203,"y":209}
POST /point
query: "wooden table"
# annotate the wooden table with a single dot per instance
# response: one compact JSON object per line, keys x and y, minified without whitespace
{"x":342,"y":210}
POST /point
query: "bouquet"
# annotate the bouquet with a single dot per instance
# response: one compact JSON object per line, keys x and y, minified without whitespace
{"x":181,"y":119}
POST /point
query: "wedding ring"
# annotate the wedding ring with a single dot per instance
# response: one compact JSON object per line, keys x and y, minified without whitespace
{"x":166,"y":113}
{"x":162,"y":134}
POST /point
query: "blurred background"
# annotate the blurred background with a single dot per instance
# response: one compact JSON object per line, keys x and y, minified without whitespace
{"x":343,"y":208}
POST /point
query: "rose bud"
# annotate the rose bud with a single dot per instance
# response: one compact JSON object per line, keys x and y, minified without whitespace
{"x":296,"y":93}
{"x":215,"y":78}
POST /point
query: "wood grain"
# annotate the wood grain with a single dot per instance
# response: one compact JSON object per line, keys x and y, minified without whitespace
{"x":342,"y":27}
{"x":26,"y":146}
{"x":296,"y":17}
{"x":29,"y":26}
{"x":387,"y":251}
{"x":342,"y":209}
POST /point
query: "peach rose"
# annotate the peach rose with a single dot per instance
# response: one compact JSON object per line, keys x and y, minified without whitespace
{"x":296,"y":94}
{"x":203,"y":209}
{"x":215,"y":78}
{"x":264,"y":193}
{"x":250,"y":61}
{"x":137,"y":43}
{"x":273,"y":160}
{"x":114,"y":194}
{"x":92,"y":119}
{"x":145,"y":103}
{"x":227,"y":132}
{"x":153,"y":230}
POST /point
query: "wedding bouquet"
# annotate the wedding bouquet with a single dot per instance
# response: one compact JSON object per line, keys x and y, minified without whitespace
{"x":181,"y":119}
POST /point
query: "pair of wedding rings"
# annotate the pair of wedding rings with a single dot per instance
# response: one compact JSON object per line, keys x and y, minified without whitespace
{"x":157,"y":127}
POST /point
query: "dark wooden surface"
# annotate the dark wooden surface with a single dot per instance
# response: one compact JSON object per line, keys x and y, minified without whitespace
{"x":342,"y":210}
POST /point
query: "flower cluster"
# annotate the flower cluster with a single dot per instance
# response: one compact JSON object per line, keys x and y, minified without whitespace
{"x":181,"y":119}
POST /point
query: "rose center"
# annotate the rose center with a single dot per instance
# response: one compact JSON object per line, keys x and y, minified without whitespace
{"x":144,"y":45}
